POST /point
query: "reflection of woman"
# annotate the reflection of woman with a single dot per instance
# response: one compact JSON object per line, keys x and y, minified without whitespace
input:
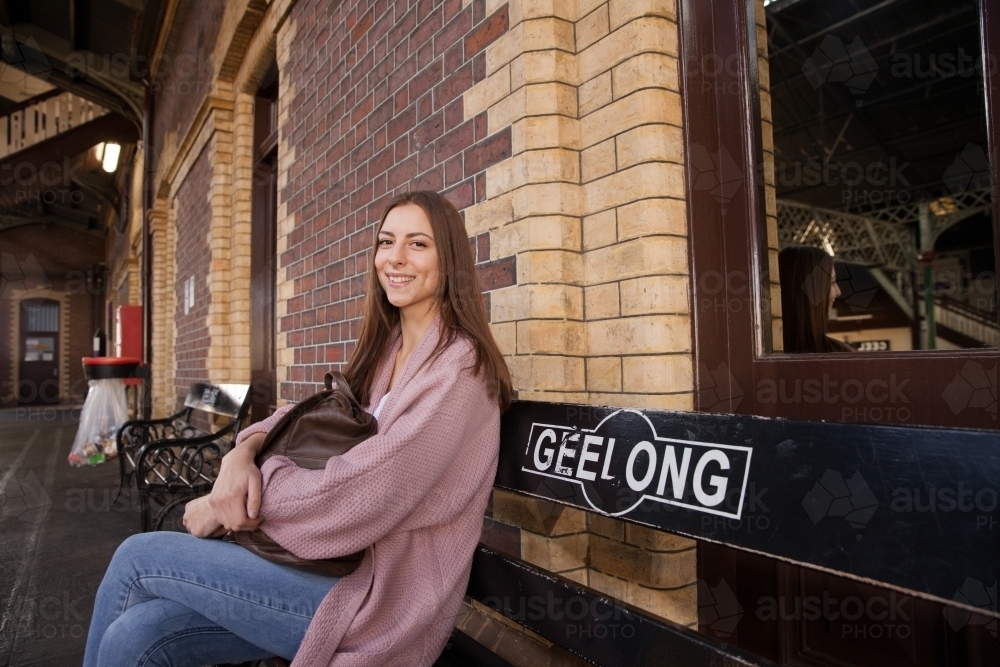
{"x":808,"y":289}
{"x":412,"y":496}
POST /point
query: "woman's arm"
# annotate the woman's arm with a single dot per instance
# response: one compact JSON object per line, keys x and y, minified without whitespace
{"x":364,"y":494}
{"x":199,"y":519}
{"x":235,"y":496}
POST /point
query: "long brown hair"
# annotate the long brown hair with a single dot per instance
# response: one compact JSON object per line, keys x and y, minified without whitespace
{"x":805,"y":273}
{"x":459,"y":298}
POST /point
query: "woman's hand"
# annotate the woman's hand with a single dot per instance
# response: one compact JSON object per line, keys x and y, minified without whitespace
{"x":199,"y":519}
{"x":235,"y":497}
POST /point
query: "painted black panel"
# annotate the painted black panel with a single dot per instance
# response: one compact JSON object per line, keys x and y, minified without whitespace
{"x":600,"y":629}
{"x":464,"y":651}
{"x":914,"y":508}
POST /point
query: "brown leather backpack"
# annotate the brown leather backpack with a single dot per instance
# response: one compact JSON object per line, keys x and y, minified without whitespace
{"x":325,"y":424}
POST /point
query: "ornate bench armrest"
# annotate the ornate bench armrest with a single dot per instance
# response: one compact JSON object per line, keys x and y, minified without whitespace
{"x":182,"y":463}
{"x":135,"y":433}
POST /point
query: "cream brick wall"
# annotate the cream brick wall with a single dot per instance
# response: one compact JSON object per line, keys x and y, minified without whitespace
{"x":162,"y":224}
{"x":256,"y":49}
{"x":225,"y":360}
{"x":592,"y":204}
{"x":240,"y":230}
{"x":284,"y":353}
{"x":592,"y":199}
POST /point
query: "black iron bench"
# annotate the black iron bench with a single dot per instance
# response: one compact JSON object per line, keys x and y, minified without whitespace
{"x":173,"y":460}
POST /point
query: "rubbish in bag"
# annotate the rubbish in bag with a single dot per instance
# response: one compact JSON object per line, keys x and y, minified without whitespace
{"x":104,"y":411}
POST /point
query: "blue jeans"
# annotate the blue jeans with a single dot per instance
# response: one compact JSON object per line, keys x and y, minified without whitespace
{"x":174,"y":599}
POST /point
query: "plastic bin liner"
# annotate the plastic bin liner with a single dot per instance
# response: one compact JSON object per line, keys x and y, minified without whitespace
{"x":104,"y":412}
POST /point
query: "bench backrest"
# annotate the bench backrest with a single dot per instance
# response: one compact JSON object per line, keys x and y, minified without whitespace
{"x":227,"y":400}
{"x":847,"y":498}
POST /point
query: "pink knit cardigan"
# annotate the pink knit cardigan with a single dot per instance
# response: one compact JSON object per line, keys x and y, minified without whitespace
{"x":414,"y":495}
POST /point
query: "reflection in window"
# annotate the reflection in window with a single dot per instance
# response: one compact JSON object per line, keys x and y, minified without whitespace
{"x":877,"y":117}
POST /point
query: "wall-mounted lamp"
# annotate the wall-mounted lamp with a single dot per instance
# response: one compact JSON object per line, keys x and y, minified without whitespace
{"x":109,"y":159}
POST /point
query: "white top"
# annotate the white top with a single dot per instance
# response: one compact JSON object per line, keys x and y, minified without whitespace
{"x":378,"y":408}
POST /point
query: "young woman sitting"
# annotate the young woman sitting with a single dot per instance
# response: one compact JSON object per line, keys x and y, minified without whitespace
{"x":412,"y":496}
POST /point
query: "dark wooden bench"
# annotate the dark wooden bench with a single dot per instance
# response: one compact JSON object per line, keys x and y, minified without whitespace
{"x":830,"y":491}
{"x":585,"y":622}
{"x":599,"y":629}
{"x":827,"y":485}
{"x":176,"y":459}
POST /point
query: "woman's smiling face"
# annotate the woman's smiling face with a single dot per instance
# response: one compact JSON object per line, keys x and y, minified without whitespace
{"x":407,"y":260}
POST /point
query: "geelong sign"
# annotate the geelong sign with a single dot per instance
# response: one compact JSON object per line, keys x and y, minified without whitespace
{"x":624,"y":452}
{"x":914,"y":508}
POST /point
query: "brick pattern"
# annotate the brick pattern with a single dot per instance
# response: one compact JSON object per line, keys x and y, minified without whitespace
{"x":770,"y":191}
{"x":515,"y":644}
{"x":186,"y":72}
{"x":193,"y":258}
{"x":236,"y":34}
{"x":591,"y":209}
{"x":32,"y":268}
{"x":221,"y":356}
{"x":258,"y":50}
{"x":591,"y":204}
{"x":370,"y":104}
{"x":76,"y":341}
{"x":648,"y":568}
{"x":165,"y":323}
{"x":237,"y":354}
{"x":229,"y":76}
{"x":645,"y":567}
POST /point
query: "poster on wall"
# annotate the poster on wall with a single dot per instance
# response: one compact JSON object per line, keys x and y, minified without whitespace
{"x":39,"y":349}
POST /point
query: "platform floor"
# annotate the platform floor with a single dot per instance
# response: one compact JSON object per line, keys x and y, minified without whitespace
{"x":58,"y":531}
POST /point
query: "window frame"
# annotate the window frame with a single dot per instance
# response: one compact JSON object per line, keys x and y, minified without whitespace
{"x":733,"y":371}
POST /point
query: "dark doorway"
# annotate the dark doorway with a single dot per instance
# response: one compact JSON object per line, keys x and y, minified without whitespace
{"x":263,"y":269}
{"x":38,"y":377}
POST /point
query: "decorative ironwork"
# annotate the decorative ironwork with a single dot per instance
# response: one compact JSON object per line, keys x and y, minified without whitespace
{"x":173,"y":471}
{"x":172,"y":461}
{"x":134,"y":434}
{"x":879,"y":238}
{"x":44,"y":119}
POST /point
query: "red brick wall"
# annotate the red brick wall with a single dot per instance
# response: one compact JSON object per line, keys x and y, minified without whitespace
{"x":80,"y":326}
{"x":378,"y":110}
{"x":185,"y":73}
{"x":194,"y":258}
{"x":64,"y":267}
